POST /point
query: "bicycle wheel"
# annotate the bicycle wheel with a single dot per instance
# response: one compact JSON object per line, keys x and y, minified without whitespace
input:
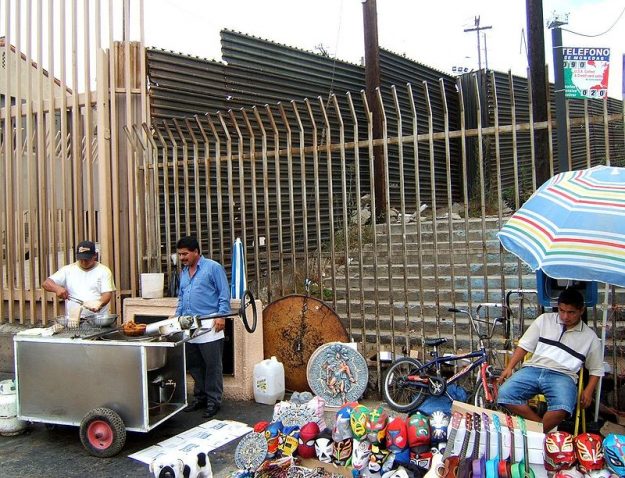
{"x":479,"y":398}
{"x":398,"y":391}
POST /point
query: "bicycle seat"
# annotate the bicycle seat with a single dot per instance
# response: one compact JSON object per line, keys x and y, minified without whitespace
{"x":435,"y":342}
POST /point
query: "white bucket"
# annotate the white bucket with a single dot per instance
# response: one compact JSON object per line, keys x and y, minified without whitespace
{"x":269,"y":381}
{"x":152,"y":285}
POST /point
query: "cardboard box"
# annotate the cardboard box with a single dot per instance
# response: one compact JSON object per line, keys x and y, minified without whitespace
{"x":535,"y":436}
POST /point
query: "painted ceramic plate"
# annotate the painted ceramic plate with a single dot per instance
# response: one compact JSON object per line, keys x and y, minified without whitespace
{"x":337,"y":373}
{"x":251,"y":451}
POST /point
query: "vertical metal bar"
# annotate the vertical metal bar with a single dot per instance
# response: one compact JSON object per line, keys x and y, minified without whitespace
{"x":304,"y":199}
{"x":43,"y":181}
{"x":156,"y":194}
{"x":220,"y":212}
{"x":587,"y":133}
{"x":315,"y":151}
{"x":428,"y":105}
{"x":267,"y":220}
{"x":19,"y":171}
{"x":376,"y":292}
{"x":252,"y":156}
{"x":241,"y":168}
{"x":402,"y":209}
{"x":185,"y":178}
{"x":77,"y":174}
{"x":549,"y":126}
{"x":359,"y":225}
{"x":450,"y":226}
{"x":145,"y":219}
{"x":606,"y":131}
{"x":417,"y":179}
{"x":208,"y":189}
{"x":465,"y":196}
{"x":166,"y":201}
{"x":329,"y":176}
{"x":231,"y":218}
{"x":7,"y":227}
{"x":196,"y":180}
{"x":345,"y":221}
{"x":176,"y":185}
{"x":91,"y":224}
{"x":276,"y":158}
{"x":289,"y":164}
{"x":530,"y":113}
{"x":135,"y":213}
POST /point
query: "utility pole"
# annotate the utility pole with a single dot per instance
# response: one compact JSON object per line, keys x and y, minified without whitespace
{"x":477,"y":29}
{"x":538,"y":78}
{"x":558,"y":73}
{"x":372,"y":78}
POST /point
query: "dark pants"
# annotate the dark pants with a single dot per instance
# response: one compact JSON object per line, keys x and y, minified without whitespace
{"x":204,"y":362}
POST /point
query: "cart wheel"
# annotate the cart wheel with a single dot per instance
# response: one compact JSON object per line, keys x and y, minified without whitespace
{"x":248,"y":299}
{"x":102,"y":432}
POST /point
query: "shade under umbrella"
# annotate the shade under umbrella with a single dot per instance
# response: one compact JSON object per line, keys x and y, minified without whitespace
{"x":237,"y":281}
{"x":573,"y":226}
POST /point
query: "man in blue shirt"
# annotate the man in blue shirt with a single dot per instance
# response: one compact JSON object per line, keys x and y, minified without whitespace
{"x":204,"y":290}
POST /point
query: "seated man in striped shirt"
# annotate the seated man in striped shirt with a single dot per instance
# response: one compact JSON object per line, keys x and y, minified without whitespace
{"x":560,"y":344}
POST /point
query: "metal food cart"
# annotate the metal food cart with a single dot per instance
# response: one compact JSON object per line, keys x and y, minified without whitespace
{"x":102,"y":381}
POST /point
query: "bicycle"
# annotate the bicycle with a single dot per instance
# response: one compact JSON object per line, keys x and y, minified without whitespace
{"x":408,"y":381}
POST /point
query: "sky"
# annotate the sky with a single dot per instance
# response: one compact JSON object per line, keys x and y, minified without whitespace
{"x":428,"y":32}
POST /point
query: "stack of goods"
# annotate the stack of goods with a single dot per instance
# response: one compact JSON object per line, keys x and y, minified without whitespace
{"x":366,"y":442}
{"x":585,"y":455}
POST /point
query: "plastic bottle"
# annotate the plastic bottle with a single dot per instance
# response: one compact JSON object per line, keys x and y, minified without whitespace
{"x":269,"y":381}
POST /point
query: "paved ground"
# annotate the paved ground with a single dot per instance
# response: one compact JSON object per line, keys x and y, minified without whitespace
{"x":58,"y":453}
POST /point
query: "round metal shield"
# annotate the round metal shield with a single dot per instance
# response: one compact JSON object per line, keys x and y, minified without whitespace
{"x":251,"y":451}
{"x":293,"y":328}
{"x":337,"y":373}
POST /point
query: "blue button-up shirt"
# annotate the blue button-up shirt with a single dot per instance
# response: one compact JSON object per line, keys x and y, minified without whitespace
{"x":207,"y":292}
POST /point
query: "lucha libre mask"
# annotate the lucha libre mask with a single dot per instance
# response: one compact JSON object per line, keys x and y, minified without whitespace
{"x":559,"y":451}
{"x":377,"y":458}
{"x":360,"y":454}
{"x":307,"y":435}
{"x":614,"y":453}
{"x":343,"y":451}
{"x":603,"y":473}
{"x":418,"y":428}
{"x":589,"y":451}
{"x":342,"y":427}
{"x":396,"y":435}
{"x":272,"y":433}
{"x":324,"y":447}
{"x":376,"y":425}
{"x":260,"y":427}
{"x":288,"y":439}
{"x":439,"y":421}
{"x":358,"y":421}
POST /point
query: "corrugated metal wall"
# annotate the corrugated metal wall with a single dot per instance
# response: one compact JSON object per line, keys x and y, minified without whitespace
{"x":259,"y":73}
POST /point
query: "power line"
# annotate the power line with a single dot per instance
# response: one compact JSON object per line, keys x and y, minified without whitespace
{"x":598,"y":34}
{"x":477,"y":29}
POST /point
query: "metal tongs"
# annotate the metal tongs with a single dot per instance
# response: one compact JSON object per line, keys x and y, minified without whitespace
{"x":74,"y":299}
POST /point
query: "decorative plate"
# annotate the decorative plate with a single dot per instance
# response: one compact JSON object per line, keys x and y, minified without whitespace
{"x":251,"y":451}
{"x":337,"y":373}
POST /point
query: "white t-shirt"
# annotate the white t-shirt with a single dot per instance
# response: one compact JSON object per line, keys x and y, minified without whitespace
{"x":84,"y":285}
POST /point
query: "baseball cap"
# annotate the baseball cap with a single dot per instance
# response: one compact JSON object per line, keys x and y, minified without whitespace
{"x":85,"y":250}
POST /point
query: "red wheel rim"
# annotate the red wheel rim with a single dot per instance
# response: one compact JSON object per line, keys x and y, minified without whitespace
{"x":100,"y":434}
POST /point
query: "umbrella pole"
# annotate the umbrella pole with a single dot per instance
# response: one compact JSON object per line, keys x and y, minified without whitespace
{"x":603,"y":327}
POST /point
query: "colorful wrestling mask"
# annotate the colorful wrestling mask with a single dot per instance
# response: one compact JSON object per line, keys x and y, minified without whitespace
{"x":360,"y":455}
{"x":272,"y":433}
{"x":343,"y":451}
{"x":377,"y":458}
{"x":376,"y":425}
{"x":569,"y":473}
{"x":324,"y":447}
{"x":342,"y":427}
{"x":589,"y":451}
{"x":559,"y":451}
{"x":307,"y":436}
{"x":418,"y":428}
{"x":439,"y":421}
{"x":396,"y":435}
{"x":288,"y":439}
{"x":358,"y":421}
{"x":614,"y":453}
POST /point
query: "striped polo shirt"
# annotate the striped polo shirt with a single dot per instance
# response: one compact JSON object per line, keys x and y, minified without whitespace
{"x":566,"y":351}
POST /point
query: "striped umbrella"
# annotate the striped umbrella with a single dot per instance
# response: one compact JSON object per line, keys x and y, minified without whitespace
{"x":573,"y":226}
{"x":237,"y":282}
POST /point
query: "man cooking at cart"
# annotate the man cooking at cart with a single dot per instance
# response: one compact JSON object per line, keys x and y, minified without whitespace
{"x":86,"y":280}
{"x":560,"y":344}
{"x":204,"y":290}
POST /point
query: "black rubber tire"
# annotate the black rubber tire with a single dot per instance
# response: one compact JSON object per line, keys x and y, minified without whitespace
{"x":113,"y":428}
{"x":248,"y":300}
{"x":401,"y":398}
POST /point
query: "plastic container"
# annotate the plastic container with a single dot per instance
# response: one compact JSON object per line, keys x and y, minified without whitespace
{"x":152,"y":285}
{"x":269,"y":381}
{"x":9,"y":423}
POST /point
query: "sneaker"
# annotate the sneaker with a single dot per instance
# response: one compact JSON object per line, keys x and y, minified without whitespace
{"x":211,"y":410}
{"x":195,"y":405}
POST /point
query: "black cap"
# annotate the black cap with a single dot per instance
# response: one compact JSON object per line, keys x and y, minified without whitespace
{"x":85,"y":250}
